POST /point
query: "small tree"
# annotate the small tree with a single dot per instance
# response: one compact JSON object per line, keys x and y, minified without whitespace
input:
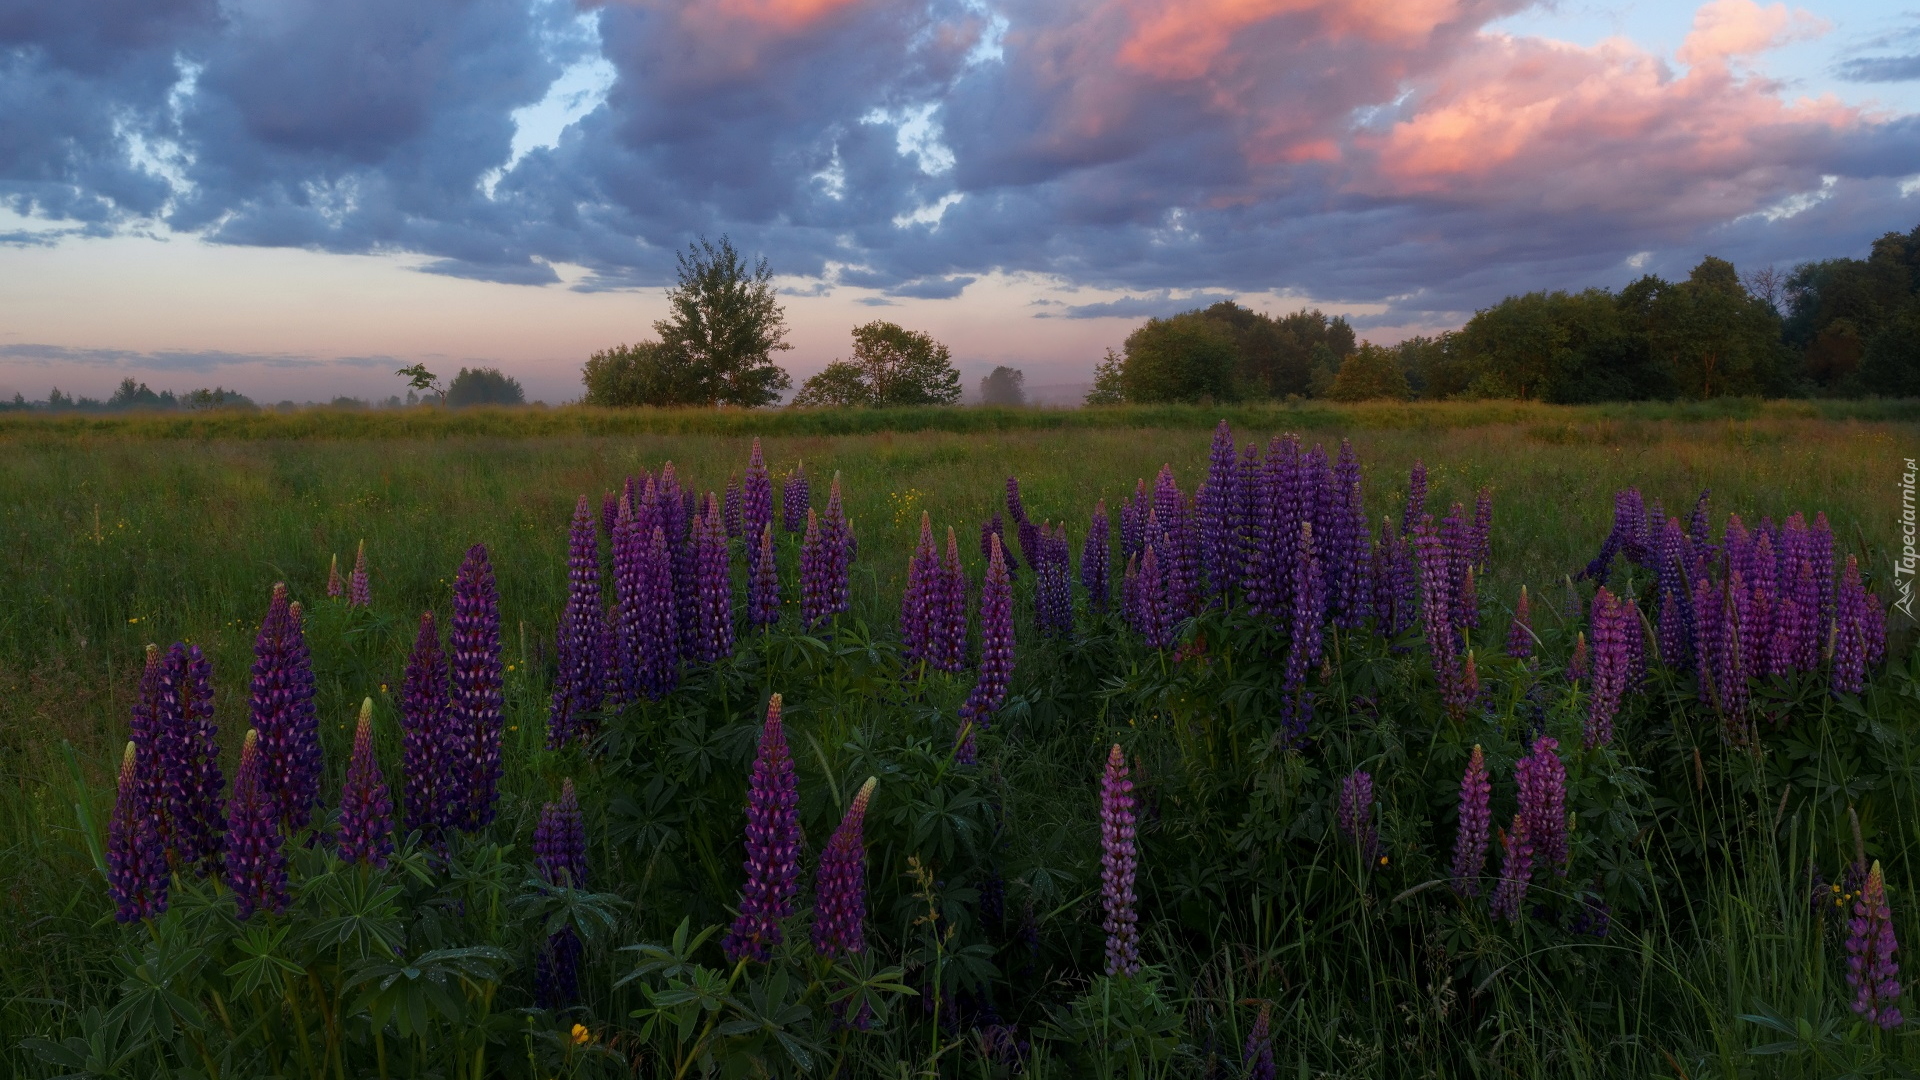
{"x":420,"y":379}
{"x":1109,"y":381}
{"x":644,"y":373}
{"x":484,"y":386}
{"x":890,"y":366}
{"x":723,"y":329}
{"x":1369,"y":373}
{"x":1003,"y":386}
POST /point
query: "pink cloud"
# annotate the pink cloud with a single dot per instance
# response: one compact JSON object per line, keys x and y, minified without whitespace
{"x":1723,"y":29}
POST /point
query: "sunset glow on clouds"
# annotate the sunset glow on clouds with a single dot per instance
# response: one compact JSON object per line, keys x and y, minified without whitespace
{"x":1406,"y":161}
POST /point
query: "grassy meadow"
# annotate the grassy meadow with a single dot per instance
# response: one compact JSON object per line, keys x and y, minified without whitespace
{"x":125,"y":531}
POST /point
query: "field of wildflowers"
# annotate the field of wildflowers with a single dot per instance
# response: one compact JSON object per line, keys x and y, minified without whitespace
{"x":1303,"y":769}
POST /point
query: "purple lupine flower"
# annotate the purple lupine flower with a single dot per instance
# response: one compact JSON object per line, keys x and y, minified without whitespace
{"x":773,"y":846}
{"x":1153,"y":613}
{"x":658,"y":664}
{"x":1257,"y":1055}
{"x":1626,"y":504}
{"x":1349,"y":554}
{"x":763,"y":583}
{"x":1457,"y":535}
{"x":677,"y":512}
{"x":948,"y":637}
{"x":336,"y":587}
{"x":1306,"y":636}
{"x":1820,"y":554}
{"x":1052,"y":602}
{"x":431,"y":801}
{"x":1516,"y":871}
{"x":1250,"y":483}
{"x":1394,"y":587}
{"x":1133,"y":522}
{"x":1757,"y":619}
{"x":1676,"y":630}
{"x":1218,"y":508}
{"x":1872,"y":972}
{"x":137,"y":877}
{"x":1611,"y":661}
{"x":1416,"y":507}
{"x":1851,"y":616}
{"x":1542,"y":781}
{"x":560,"y":841}
{"x":577,"y":680}
{"x":1179,"y":562}
{"x":1118,"y":864}
{"x":1520,"y":631}
{"x":991,"y":529}
{"x":1482,"y":531}
{"x":474,"y":713}
{"x":839,"y":552}
{"x":996,"y":649}
{"x":1717,"y":615}
{"x":609,"y":512}
{"x":1096,"y":560}
{"x":1436,"y":608}
{"x":796,"y":500}
{"x":714,"y":605}
{"x":366,"y":811}
{"x":1476,"y":816}
{"x":1676,"y":647}
{"x":756,"y":495}
{"x":1023,"y":526}
{"x":816,"y":585}
{"x":1353,"y":816}
{"x":1700,"y":525}
{"x":359,"y":589}
{"x":256,"y":862}
{"x":556,"y":970}
{"x":840,"y":885}
{"x":154,"y":738}
{"x":1324,"y":507}
{"x":731,"y":508}
{"x":195,"y":819}
{"x":1016,"y":510}
{"x":629,"y":604}
{"x":283,"y":714}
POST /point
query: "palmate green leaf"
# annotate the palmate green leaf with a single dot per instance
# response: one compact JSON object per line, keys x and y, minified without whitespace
{"x":150,"y":993}
{"x":671,"y":961}
{"x":363,"y":913}
{"x":103,"y":1050}
{"x":262,"y":964}
{"x":407,"y":994}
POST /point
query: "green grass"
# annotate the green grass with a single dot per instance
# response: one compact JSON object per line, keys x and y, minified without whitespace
{"x":128,"y":530}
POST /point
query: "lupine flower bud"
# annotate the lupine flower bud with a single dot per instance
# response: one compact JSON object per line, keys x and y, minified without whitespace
{"x":796,"y":500}
{"x":840,"y":885}
{"x":1096,"y":560}
{"x":1612,"y":625}
{"x":1542,"y":781}
{"x":996,"y":651}
{"x":1872,"y":972}
{"x":336,"y":588}
{"x":1580,"y":665}
{"x":756,"y":495}
{"x":137,"y":875}
{"x":773,"y":846}
{"x":1257,"y":1056}
{"x":1520,"y":631}
{"x":609,"y":512}
{"x":366,"y":812}
{"x":475,"y":710}
{"x":1516,"y":871}
{"x":428,"y":744}
{"x":1470,"y":838}
{"x":1118,"y":863}
{"x":577,"y":680}
{"x":359,"y":588}
{"x":1354,"y":814}
{"x":283,"y":714}
{"x":763,"y":584}
{"x":256,"y":863}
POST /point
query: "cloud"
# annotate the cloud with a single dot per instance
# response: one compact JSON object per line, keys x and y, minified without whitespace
{"x":165,"y":360}
{"x":1880,"y":69}
{"x":1141,"y":307}
{"x":1398,"y":153}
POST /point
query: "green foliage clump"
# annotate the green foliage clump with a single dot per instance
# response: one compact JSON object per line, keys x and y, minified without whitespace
{"x":891,"y":366}
{"x":484,"y":386}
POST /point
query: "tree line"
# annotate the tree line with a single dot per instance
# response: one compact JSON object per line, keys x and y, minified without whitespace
{"x":1837,"y":327}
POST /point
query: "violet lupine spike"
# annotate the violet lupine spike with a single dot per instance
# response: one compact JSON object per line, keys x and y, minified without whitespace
{"x":1353,"y":816}
{"x":336,"y":587}
{"x":839,"y":553}
{"x":256,"y":860}
{"x":1542,"y":781}
{"x":1257,"y":1055}
{"x":1306,"y":636}
{"x":949,"y":634}
{"x":1052,"y":602}
{"x":1675,"y":636}
{"x":366,"y":810}
{"x":996,"y":648}
{"x":773,"y":847}
{"x":154,"y":733}
{"x":577,"y":680}
{"x":756,"y":495}
{"x":623,"y":676}
{"x":1849,"y":671}
{"x":677,"y":513}
{"x":1119,"y":862}
{"x":1820,"y":554}
{"x":1516,"y":871}
{"x":1416,"y":507}
{"x":1700,"y":525}
{"x":560,"y":841}
{"x":1270,"y":568}
{"x":1676,"y":557}
{"x":609,"y":512}
{"x":195,"y":821}
{"x":283,"y":714}
{"x":475,"y":708}
{"x":359,"y":587}
{"x":1323,"y":509}
{"x":1395,"y":581}
{"x":1217,"y":504}
{"x":1520,"y":631}
{"x":715,"y":585}
{"x":1457,"y":535}
{"x":840,"y":885}
{"x":1476,"y":818}
{"x":1096,"y":560}
{"x":991,"y":529}
{"x":1482,"y":531}
{"x":1349,"y":550}
{"x":137,"y":877}
{"x":1251,"y":485}
{"x":1016,"y":510}
{"x":1153,"y":613}
{"x":815,"y":577}
{"x":659,"y":659}
{"x":731,"y":509}
{"x":1756,"y":623}
{"x":1133,"y":522}
{"x":1872,"y":973}
{"x":1612,"y":625}
{"x":1436,"y":608}
{"x":796,"y":500}
{"x":430,"y":803}
{"x":763,"y":583}
{"x":1178,"y":559}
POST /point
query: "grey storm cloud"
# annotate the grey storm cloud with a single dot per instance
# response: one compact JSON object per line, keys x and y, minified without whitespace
{"x":906,"y":148}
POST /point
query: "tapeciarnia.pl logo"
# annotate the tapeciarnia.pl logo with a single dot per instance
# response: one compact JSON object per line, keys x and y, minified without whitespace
{"x":1903,"y":567}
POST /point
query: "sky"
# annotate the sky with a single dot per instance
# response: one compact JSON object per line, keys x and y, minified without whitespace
{"x":296,"y":197}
